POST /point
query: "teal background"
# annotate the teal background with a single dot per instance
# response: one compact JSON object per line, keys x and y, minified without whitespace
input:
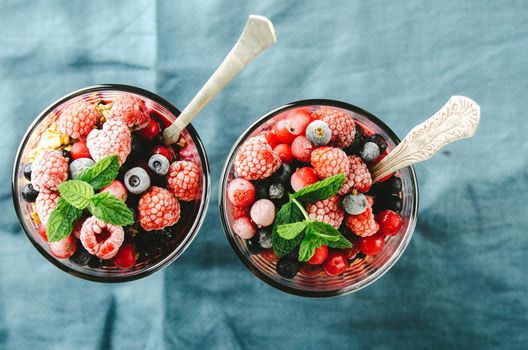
{"x":462,"y":283}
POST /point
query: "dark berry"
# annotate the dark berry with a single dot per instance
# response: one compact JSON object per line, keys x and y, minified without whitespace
{"x":81,"y":256}
{"x":29,"y":194}
{"x":378,"y":140}
{"x":137,"y":147}
{"x":287,"y":267}
{"x":283,"y":174}
{"x":392,"y":202}
{"x":94,"y":262}
{"x":357,"y":144}
{"x":392,"y":185}
{"x":261,"y":189}
{"x":264,"y":237}
{"x":65,"y":153}
{"x":294,"y":254}
{"x":276,"y":191}
{"x":27,"y":171}
{"x":253,"y":245}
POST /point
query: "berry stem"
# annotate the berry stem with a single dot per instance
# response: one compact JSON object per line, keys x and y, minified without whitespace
{"x":301,"y":208}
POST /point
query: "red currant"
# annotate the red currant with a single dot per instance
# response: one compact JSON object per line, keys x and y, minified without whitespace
{"x":271,"y":138}
{"x":126,"y":256}
{"x":241,"y":192}
{"x":269,"y":255}
{"x":335,"y":264}
{"x":303,"y":177}
{"x":319,"y":256}
{"x":302,"y":149}
{"x":372,"y":245}
{"x":64,"y":248}
{"x":283,"y":134}
{"x":150,"y":132}
{"x":80,"y":150}
{"x":42,"y":231}
{"x":165,"y":151}
{"x":297,"y":121}
{"x":390,"y":222}
{"x":285,"y":153}
{"x":310,"y":270}
{"x":351,"y":252}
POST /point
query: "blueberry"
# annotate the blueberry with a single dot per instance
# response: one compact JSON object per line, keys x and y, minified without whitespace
{"x":137,"y":147}
{"x":378,"y":140}
{"x":287,"y":267}
{"x":137,"y":180}
{"x":253,"y":245}
{"x":357,"y":144}
{"x":261,"y":189}
{"x":392,"y":185}
{"x":78,"y":165}
{"x":391,"y":202}
{"x":283,"y":174}
{"x":159,"y":164}
{"x":29,"y":194}
{"x":264,"y":237}
{"x":369,"y":152}
{"x":277,"y":191}
{"x":318,"y":133}
{"x":81,"y":256}
{"x":355,"y":204}
{"x":27,"y":171}
{"x":65,"y":153}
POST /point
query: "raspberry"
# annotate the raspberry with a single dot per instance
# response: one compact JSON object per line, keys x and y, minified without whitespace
{"x":158,"y":208}
{"x":45,"y":203}
{"x":101,"y":238}
{"x":342,"y":126}
{"x":78,"y":119}
{"x":239,"y":212}
{"x":362,"y":225}
{"x":114,"y":138}
{"x":358,"y":176}
{"x":183,"y":180}
{"x":329,"y":161}
{"x":327,"y":211}
{"x":131,"y":110}
{"x":256,"y":160}
{"x":49,"y":170}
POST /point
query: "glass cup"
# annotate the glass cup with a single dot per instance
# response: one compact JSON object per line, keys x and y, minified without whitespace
{"x":361,"y":272}
{"x":192,"y":215}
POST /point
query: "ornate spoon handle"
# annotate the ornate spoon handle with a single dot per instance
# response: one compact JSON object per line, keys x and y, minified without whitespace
{"x":456,"y":120}
{"x":258,"y":35}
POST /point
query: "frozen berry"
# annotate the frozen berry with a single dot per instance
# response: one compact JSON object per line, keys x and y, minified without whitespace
{"x":78,"y":119}
{"x":271,"y":138}
{"x":328,"y":211}
{"x":244,"y":228}
{"x":297,"y":121}
{"x":158,"y":208}
{"x":342,"y":125}
{"x":131,"y":110}
{"x":378,"y":140}
{"x":44,"y":205}
{"x":303,"y":177}
{"x":287,"y":267}
{"x":79,"y":165}
{"x":42,"y":231}
{"x":357,"y":144}
{"x":277,"y":191}
{"x":79,"y":150}
{"x":184,"y":180}
{"x":318,"y":133}
{"x":390,"y":222}
{"x":253,"y":245}
{"x":283,"y":173}
{"x":239,"y":212}
{"x":319,"y":256}
{"x":29,"y":194}
{"x":126,"y":256}
{"x":116,"y":188}
{"x":137,"y":180}
{"x":256,"y":160}
{"x":151,"y":131}
{"x":329,"y":161}
{"x":336,"y":263}
{"x":27,"y":171}
{"x":159,"y":164}
{"x":49,"y":170}
{"x":285,"y":152}
{"x":372,"y":245}
{"x":358,"y":176}
{"x":113,"y":138}
{"x":264,"y":237}
{"x":355,"y":204}
{"x":370,"y":152}
{"x":101,"y":238}
{"x":364,"y":224}
{"x":165,"y":151}
{"x":302,"y":149}
{"x":137,"y":147}
{"x":263,"y":212}
{"x":64,"y":248}
{"x":282,"y":132}
{"x":241,"y":192}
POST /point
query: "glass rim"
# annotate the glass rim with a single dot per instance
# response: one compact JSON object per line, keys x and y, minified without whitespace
{"x":261,"y":275}
{"x":202,"y":210}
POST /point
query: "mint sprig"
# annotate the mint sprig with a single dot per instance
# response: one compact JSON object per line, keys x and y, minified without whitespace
{"x":101,"y":173}
{"x":293,"y":226}
{"x":61,"y":220}
{"x":107,"y":207}
{"x":77,"y":193}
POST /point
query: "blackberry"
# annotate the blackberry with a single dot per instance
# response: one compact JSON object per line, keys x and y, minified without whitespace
{"x":29,"y":194}
{"x":27,"y":171}
{"x":253,"y":245}
{"x":287,"y":267}
{"x":378,"y":140}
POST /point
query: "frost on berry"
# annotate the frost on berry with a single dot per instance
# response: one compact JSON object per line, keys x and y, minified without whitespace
{"x":101,"y":238}
{"x":341,"y":124}
{"x":329,"y":161}
{"x":158,"y":208}
{"x":328,"y":211}
{"x":114,"y":138}
{"x":78,"y":119}
{"x":364,"y":224}
{"x":358,"y":176}
{"x":44,"y":205}
{"x":130,"y":110}
{"x":184,"y":180}
{"x":256,"y":160}
{"x":49,"y":170}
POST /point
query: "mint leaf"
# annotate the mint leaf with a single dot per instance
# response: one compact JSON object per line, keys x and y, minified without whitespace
{"x":61,"y":220}
{"x":309,"y":243}
{"x":341,"y":243}
{"x":320,"y":190}
{"x":290,"y":231}
{"x":289,"y":213}
{"x":102,"y":173}
{"x":330,"y":236}
{"x":77,"y":193}
{"x":109,"y":208}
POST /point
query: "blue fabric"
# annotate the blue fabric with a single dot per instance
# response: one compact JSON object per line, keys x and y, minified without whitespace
{"x":462,"y":283}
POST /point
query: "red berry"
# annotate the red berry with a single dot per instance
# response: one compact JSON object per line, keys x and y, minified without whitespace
{"x":372,"y":245}
{"x":285,"y":152}
{"x":239,"y":212}
{"x":116,"y":188}
{"x":271,"y":138}
{"x":165,"y":151}
{"x":126,"y":256}
{"x":188,"y":153}
{"x":351,"y":252}
{"x":302,"y":149}
{"x":319,"y":256}
{"x":80,"y":150}
{"x":42,"y":231}
{"x":310,"y":270}
{"x":297,"y":121}
{"x":244,"y":228}
{"x":241,"y":192}
{"x":150,"y":131}
{"x":64,"y":248}
{"x":303,"y":177}
{"x":269,"y":255}
{"x":283,"y":134}
{"x":335,"y":264}
{"x":389,"y":222}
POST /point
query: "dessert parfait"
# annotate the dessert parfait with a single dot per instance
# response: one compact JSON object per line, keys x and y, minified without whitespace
{"x":101,"y":188}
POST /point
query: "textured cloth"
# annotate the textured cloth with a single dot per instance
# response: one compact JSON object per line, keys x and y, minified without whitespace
{"x":462,"y":282}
